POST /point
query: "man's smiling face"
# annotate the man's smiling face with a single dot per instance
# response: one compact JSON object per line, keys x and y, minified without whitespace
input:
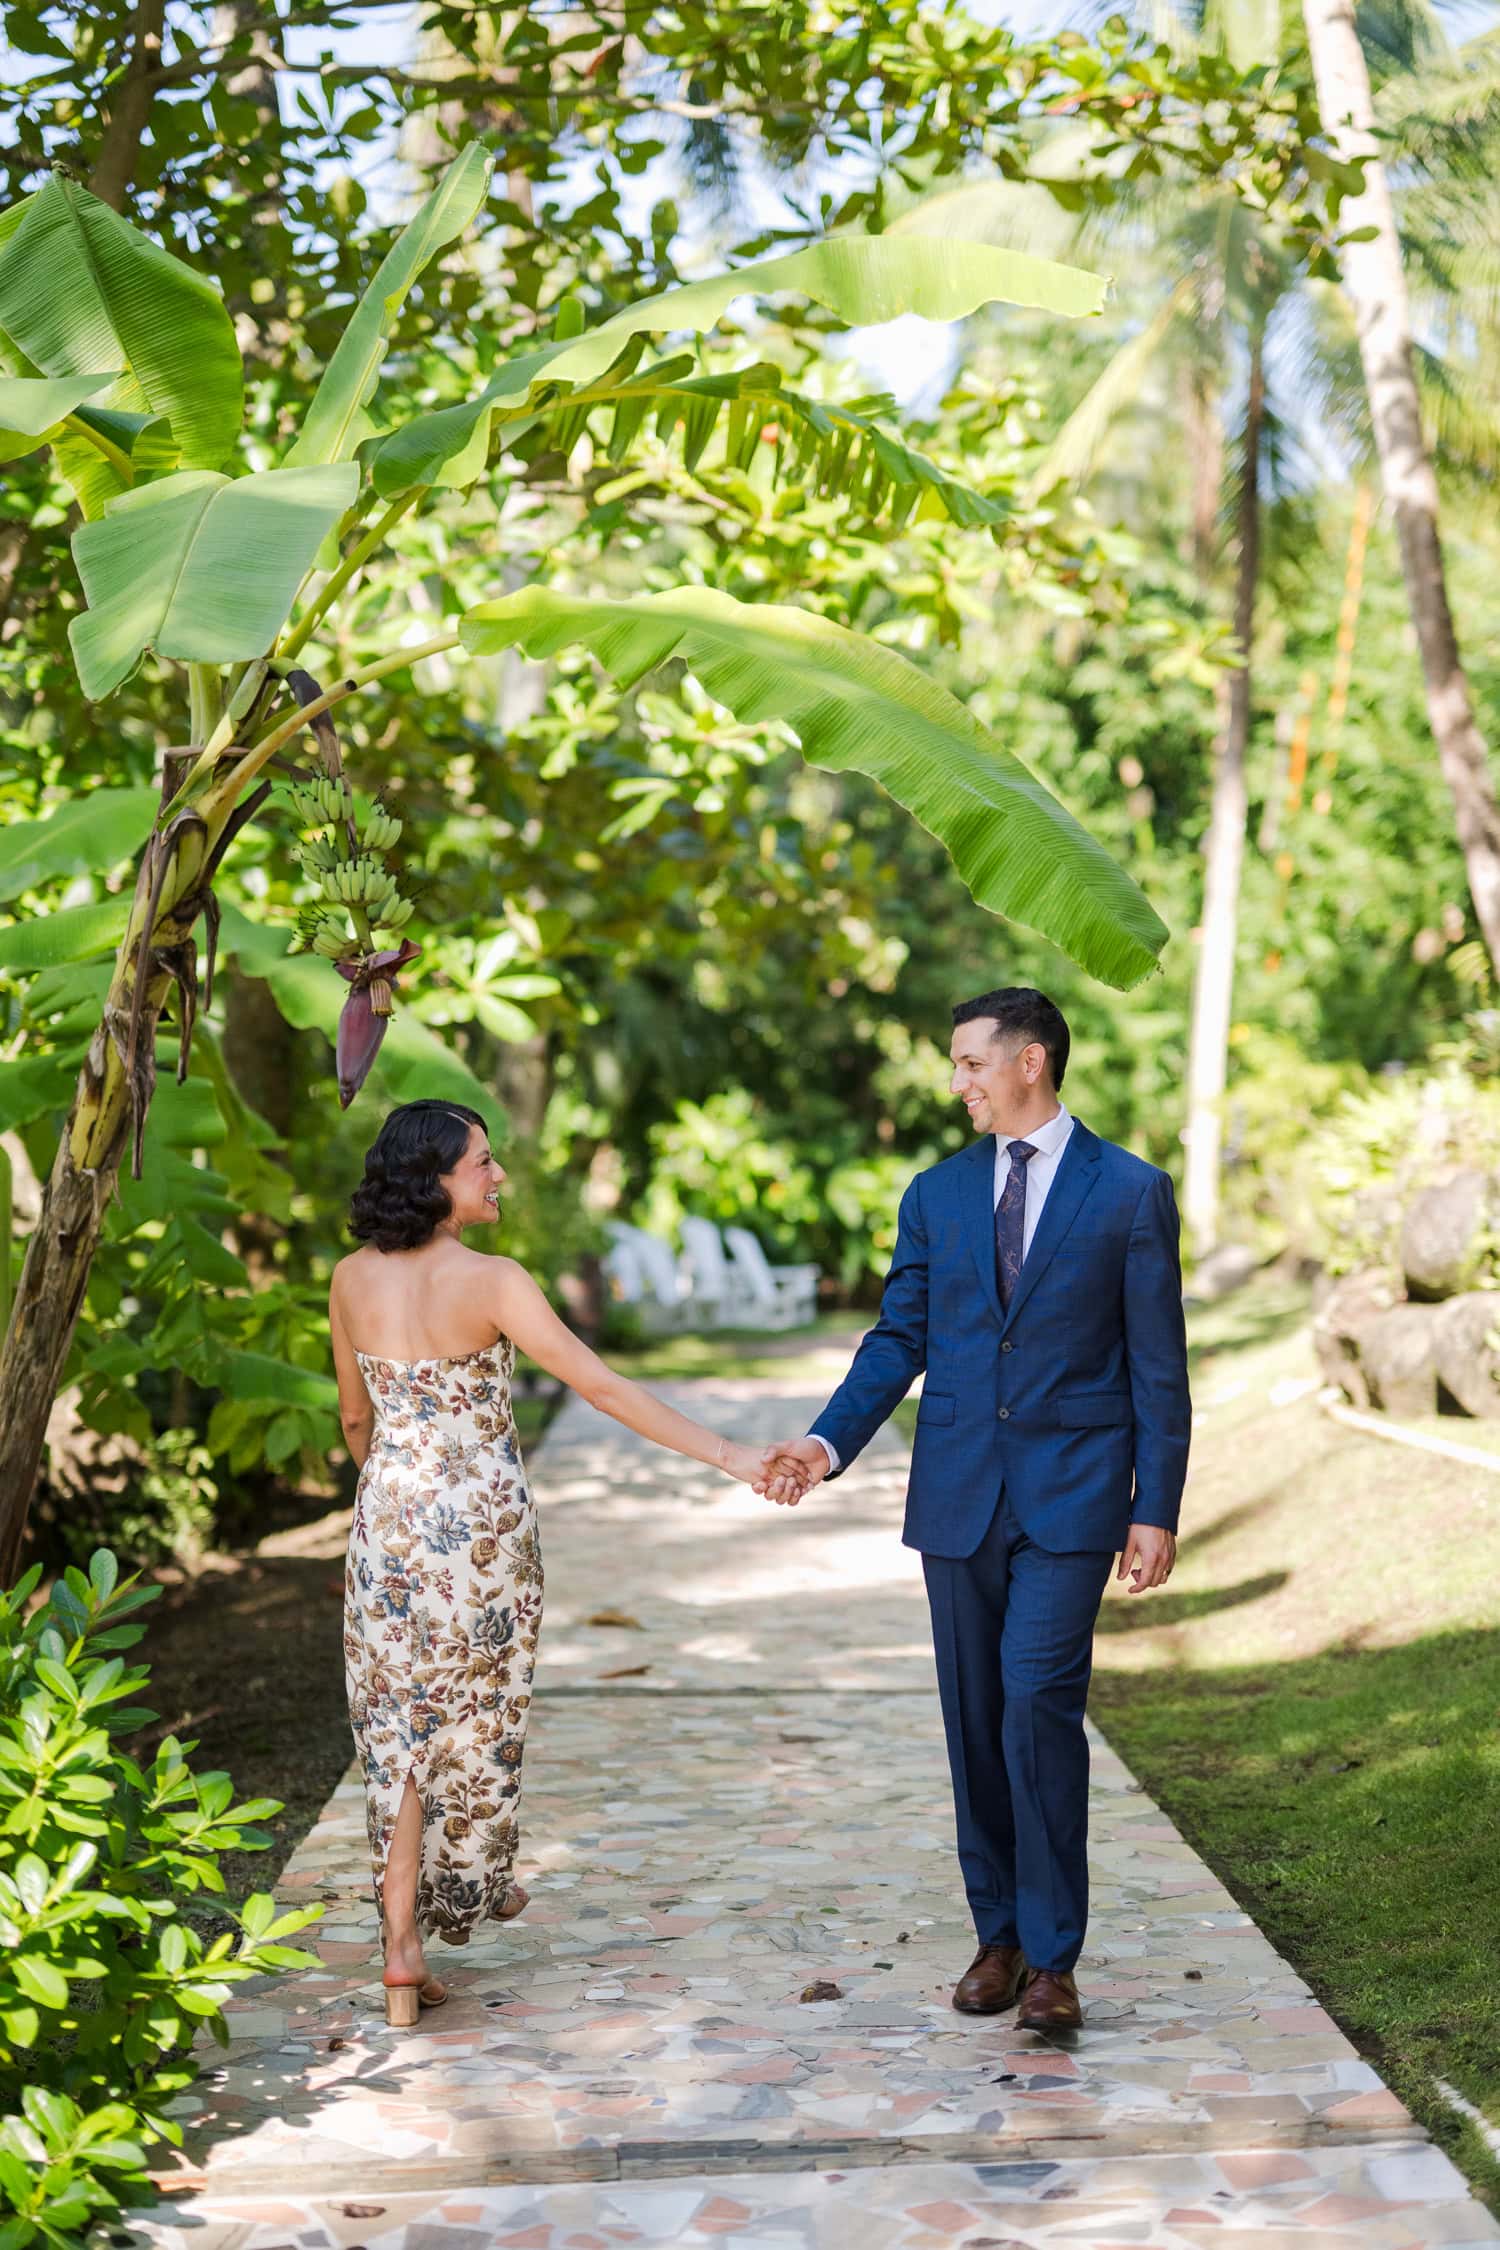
{"x":995,"y":1078}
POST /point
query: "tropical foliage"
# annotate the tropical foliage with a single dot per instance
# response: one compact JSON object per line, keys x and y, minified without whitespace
{"x":602,"y":548}
{"x":106,"y":1973}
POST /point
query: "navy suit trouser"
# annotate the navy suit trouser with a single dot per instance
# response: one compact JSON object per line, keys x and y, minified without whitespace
{"x":1013,"y":1631}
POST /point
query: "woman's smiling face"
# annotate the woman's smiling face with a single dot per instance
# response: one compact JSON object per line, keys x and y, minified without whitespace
{"x":473,"y":1186}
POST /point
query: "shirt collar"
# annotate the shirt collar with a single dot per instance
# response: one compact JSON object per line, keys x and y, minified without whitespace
{"x":1047,"y":1139}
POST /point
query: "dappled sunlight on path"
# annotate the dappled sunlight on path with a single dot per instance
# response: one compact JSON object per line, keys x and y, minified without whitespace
{"x":736,"y":1794}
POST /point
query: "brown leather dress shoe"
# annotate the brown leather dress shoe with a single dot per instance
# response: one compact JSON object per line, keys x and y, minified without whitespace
{"x":992,"y":1982}
{"x":1050,"y":2002}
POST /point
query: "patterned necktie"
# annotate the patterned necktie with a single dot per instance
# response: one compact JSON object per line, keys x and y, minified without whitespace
{"x":1010,"y":1222}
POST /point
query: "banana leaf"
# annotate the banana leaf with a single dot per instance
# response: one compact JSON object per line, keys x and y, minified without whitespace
{"x":199,"y":567}
{"x":856,"y":706}
{"x":32,"y":405}
{"x":336,"y":421}
{"x":863,"y":279}
{"x":81,"y":289}
{"x":90,"y":834}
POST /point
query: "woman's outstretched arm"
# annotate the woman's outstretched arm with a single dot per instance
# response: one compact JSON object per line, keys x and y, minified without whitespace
{"x":524,"y":1315}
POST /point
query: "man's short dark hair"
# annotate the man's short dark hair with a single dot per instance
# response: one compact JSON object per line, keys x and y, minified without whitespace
{"x":1022,"y":1013}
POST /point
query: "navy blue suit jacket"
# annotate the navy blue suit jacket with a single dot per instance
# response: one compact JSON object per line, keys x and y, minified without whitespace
{"x":1075,"y":1399}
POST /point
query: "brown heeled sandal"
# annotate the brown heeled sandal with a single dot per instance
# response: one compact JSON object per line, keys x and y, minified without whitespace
{"x":405,"y":2002}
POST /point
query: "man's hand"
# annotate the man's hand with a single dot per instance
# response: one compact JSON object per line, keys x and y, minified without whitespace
{"x":1147,"y":1557}
{"x":791,"y":1468}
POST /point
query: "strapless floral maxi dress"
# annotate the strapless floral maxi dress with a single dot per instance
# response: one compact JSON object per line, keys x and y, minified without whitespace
{"x":442,"y":1609}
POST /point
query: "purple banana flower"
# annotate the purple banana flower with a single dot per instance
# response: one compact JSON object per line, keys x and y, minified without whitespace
{"x":366,"y":1013}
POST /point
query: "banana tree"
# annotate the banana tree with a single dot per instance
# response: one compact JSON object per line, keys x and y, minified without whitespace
{"x":122,"y":360}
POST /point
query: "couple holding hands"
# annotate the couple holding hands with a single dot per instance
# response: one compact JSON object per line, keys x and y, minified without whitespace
{"x":1035,"y":1287}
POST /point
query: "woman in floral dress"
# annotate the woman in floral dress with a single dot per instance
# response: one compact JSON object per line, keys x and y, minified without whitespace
{"x":443,"y":1592}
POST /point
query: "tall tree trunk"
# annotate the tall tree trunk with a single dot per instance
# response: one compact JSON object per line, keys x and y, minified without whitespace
{"x":263,"y":329}
{"x":1224,"y":853}
{"x":1205,"y":443}
{"x":1376,"y":286}
{"x":109,"y":1099}
{"x":130,"y":108}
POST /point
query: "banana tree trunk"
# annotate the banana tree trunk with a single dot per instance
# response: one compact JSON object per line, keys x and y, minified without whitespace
{"x":1224,"y":854}
{"x":109,"y":1099}
{"x":1376,"y":287}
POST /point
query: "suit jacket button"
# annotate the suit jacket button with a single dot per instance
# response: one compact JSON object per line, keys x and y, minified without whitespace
{"x":1008,"y":1345}
{"x":1005,"y":1413}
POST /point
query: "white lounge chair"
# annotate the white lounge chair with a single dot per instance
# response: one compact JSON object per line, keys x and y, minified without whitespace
{"x":646,"y":1275}
{"x":784,"y":1296}
{"x":718,"y":1291}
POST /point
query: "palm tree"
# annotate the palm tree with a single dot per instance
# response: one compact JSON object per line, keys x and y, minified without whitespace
{"x":1374,"y":280}
{"x":1234,"y":322}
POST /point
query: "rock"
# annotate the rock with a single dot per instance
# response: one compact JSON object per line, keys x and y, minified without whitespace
{"x":1225,"y":1269}
{"x":1343,"y":1310}
{"x":1468,"y":1366}
{"x":1397,"y":1359}
{"x":1442,"y":1236}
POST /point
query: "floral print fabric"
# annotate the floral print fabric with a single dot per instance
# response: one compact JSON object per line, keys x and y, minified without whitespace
{"x":442,"y":1608}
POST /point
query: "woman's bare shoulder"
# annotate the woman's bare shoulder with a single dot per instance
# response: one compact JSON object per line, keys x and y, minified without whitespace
{"x":350,"y":1268}
{"x":506,"y":1272}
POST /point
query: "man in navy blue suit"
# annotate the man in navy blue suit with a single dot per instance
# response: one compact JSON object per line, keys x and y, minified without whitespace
{"x":1036,"y":1286}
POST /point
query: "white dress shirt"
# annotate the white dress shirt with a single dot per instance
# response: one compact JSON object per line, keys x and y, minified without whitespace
{"x":1049,"y":1141}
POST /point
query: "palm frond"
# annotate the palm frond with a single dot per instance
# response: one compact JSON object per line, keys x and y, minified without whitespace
{"x":1071,"y":456}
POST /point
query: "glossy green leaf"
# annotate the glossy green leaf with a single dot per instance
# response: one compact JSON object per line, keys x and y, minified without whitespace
{"x":88,"y":834}
{"x":255,"y":1375}
{"x":81,"y":289}
{"x":856,"y":705}
{"x":863,"y":279}
{"x":336,"y":421}
{"x":71,"y":933}
{"x":33,"y":1085}
{"x":31,"y":405}
{"x":40,"y":1982}
{"x":205,"y":1255}
{"x":199,"y":567}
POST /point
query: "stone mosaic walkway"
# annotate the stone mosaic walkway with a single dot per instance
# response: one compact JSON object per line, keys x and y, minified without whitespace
{"x":735,"y":1793}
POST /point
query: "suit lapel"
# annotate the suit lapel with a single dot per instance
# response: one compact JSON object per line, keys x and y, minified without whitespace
{"x":977,"y":1190}
{"x":1076,"y":1175}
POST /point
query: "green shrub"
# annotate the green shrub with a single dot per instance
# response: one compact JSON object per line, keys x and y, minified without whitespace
{"x":104,"y":1975}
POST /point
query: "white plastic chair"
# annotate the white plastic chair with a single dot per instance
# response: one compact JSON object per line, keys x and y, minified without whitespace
{"x":717,"y":1290}
{"x":786,"y":1296}
{"x":622,"y":1266}
{"x":647,"y":1276}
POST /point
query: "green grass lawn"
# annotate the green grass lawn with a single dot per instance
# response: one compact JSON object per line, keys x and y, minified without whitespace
{"x":1315,"y":1699}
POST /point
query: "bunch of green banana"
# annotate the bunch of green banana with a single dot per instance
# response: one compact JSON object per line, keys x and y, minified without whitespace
{"x":333,"y":943}
{"x":379,"y":830}
{"x":318,"y":855}
{"x":395,"y":916}
{"x":320,"y":800}
{"x":359,"y":882}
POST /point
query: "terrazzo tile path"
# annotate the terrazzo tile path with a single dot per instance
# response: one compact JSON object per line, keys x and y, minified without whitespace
{"x":737,"y":1796}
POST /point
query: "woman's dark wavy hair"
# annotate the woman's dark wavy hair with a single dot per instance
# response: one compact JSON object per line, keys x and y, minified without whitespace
{"x":398,"y":1203}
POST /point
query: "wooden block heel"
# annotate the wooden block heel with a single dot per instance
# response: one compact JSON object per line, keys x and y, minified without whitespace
{"x":402,"y":2005}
